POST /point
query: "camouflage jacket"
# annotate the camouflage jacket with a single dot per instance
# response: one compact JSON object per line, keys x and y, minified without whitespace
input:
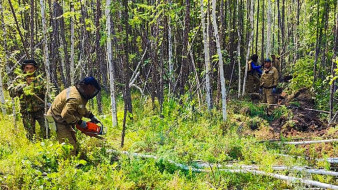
{"x":31,"y":96}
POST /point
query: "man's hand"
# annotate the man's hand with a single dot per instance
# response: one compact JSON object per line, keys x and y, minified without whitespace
{"x":261,"y":90}
{"x":94,"y":119}
{"x":82,"y":124}
{"x":274,"y":90}
{"x":20,"y":88}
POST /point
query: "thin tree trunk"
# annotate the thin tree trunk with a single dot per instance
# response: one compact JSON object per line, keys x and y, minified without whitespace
{"x":46,"y":56}
{"x":32,"y":30}
{"x":268,"y":33}
{"x":170,"y":53}
{"x":185,"y":58}
{"x":317,"y":46}
{"x":111,"y":65}
{"x":65,"y":57}
{"x":99,"y":62}
{"x":333,"y":66}
{"x":249,"y":45}
{"x":127,"y":97}
{"x":263,"y":24}
{"x":239,"y":48}
{"x":220,"y":57}
{"x":256,"y":52}
{"x":18,"y":28}
{"x":72,"y":44}
{"x":206,"y":42}
{"x":2,"y":97}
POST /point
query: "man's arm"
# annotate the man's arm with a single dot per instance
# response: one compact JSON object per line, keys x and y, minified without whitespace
{"x":275,"y":77}
{"x":70,"y":111}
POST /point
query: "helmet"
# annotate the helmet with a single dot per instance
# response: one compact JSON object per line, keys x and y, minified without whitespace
{"x":29,"y":62}
{"x":85,"y":85}
{"x":267,"y":60}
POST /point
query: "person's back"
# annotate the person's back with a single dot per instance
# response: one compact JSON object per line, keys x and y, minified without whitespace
{"x":254,"y":72}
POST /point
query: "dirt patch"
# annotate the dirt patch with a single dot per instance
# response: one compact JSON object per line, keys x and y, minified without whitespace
{"x":303,"y":120}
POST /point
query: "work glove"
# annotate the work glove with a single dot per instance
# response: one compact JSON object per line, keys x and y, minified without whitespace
{"x":274,"y":90}
{"x":261,"y":90}
{"x":94,"y":119}
{"x":82,"y":124}
{"x":20,"y":88}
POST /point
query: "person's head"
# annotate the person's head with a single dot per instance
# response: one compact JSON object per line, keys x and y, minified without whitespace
{"x":29,"y":66}
{"x":254,"y":57}
{"x":88,"y":87}
{"x":267,"y":63}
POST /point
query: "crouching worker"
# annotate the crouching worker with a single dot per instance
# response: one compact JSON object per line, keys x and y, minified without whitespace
{"x":69,"y":107}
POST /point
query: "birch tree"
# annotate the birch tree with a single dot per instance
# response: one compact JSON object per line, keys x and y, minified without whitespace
{"x":2,"y":97}
{"x":45,"y":55}
{"x":249,"y":45}
{"x":206,"y":42}
{"x":268,"y":33}
{"x":220,"y":61}
{"x":170,"y":52}
{"x":239,"y":49}
{"x":110,"y":65}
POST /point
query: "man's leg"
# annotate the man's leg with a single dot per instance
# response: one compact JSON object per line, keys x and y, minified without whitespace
{"x":39,"y":116}
{"x":29,"y":125}
{"x":65,"y":133}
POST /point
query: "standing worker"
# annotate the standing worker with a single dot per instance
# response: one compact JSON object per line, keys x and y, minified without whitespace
{"x":69,"y":107}
{"x":269,"y":81}
{"x":31,"y":89}
{"x":254,"y":72}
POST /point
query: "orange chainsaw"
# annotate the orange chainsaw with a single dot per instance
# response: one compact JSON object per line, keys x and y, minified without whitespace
{"x":93,"y":129}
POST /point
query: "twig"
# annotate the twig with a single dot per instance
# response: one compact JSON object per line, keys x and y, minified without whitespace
{"x":310,"y":142}
{"x":321,"y":111}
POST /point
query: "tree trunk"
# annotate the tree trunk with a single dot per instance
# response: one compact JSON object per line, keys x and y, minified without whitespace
{"x":220,"y":57}
{"x":170,"y":53}
{"x":333,"y":66}
{"x":185,"y":58}
{"x":65,"y":57}
{"x":263,"y":24}
{"x":206,"y":42}
{"x":249,"y":45}
{"x":99,"y":61}
{"x":268,"y":33}
{"x":126,"y":95}
{"x":18,"y":29}
{"x":32,"y":30}
{"x":72,"y":44}
{"x":318,"y":39}
{"x":239,"y":48}
{"x":256,"y":52}
{"x":111,"y":65}
{"x":46,"y":57}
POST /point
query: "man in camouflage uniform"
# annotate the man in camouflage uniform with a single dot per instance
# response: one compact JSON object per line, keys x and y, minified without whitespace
{"x":69,"y":107}
{"x":269,"y":81}
{"x":30,"y":88}
{"x":254,"y":72}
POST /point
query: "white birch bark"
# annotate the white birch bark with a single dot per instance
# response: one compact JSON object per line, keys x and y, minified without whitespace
{"x":2,"y":97}
{"x":6,"y":56}
{"x":46,"y":57}
{"x":220,"y":62}
{"x":110,"y":65}
{"x":72,"y":42}
{"x":249,"y":46}
{"x":268,"y":33}
{"x":206,"y":57}
{"x":170,"y":53}
{"x":239,"y":51}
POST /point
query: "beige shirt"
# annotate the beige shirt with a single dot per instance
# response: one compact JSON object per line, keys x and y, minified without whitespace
{"x":69,"y":106}
{"x":269,"y":78}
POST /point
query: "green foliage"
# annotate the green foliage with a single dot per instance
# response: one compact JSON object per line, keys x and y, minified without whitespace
{"x":302,"y":74}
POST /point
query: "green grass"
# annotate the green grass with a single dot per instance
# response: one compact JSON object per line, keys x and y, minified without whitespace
{"x":184,"y":134}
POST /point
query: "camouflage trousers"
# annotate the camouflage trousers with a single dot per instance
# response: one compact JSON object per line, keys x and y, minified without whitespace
{"x":29,"y":119}
{"x":252,"y":83}
{"x":66,"y":134}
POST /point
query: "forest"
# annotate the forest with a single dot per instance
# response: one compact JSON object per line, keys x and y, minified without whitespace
{"x":176,"y":100}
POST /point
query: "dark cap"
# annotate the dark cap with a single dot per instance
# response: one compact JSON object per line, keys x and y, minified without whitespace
{"x":29,"y":62}
{"x":92,"y":81}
